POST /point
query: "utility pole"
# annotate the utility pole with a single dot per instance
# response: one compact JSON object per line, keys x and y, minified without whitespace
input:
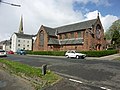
{"x":10,"y":3}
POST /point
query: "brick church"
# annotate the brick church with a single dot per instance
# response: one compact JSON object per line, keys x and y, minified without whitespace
{"x":82,"y":36}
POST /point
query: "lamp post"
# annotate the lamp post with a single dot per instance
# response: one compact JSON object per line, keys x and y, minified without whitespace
{"x":10,"y":3}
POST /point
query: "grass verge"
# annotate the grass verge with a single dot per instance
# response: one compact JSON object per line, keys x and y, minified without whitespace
{"x":32,"y":74}
{"x":117,"y":58}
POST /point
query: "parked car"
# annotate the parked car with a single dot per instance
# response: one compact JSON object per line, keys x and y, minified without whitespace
{"x":21,"y":52}
{"x":74,"y":54}
{"x":3,"y":53}
{"x":10,"y":52}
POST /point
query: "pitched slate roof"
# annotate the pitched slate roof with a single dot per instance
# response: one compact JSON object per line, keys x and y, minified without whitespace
{"x":76,"y":26}
{"x":50,"y":31}
{"x":26,"y":36}
{"x":7,"y":42}
{"x":71,"y":27}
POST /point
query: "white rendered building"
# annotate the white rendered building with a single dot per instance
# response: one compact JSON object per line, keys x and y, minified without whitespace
{"x":21,"y":41}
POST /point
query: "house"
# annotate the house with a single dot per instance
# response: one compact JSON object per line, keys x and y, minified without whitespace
{"x":82,"y":36}
{"x":21,"y":41}
{"x":5,"y":45}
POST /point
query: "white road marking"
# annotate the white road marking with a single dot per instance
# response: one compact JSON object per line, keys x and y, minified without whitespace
{"x":105,"y":88}
{"x":75,"y":81}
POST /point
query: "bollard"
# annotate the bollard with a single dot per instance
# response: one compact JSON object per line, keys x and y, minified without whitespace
{"x":44,"y":69}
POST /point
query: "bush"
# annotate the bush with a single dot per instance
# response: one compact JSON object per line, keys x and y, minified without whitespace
{"x":53,"y":53}
{"x":99,"y":53}
{"x":62,"y":53}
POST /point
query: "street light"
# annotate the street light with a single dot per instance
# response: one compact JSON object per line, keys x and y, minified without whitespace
{"x":10,"y":3}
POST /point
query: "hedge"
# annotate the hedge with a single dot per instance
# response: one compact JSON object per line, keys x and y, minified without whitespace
{"x":99,"y":53}
{"x":62,"y":53}
{"x":52,"y":53}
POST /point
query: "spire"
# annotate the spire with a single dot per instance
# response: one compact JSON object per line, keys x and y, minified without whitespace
{"x":21,"y":26}
{"x":98,"y":16}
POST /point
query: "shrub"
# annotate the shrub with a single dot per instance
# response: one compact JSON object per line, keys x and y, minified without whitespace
{"x":53,"y":53}
{"x":62,"y":53}
{"x":99,"y":53}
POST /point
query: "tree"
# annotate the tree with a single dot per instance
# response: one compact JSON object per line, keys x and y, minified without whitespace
{"x":116,"y":39}
{"x":108,"y":35}
{"x":115,"y":26}
{"x":113,"y":34}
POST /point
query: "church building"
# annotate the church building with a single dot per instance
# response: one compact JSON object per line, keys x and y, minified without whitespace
{"x":82,"y":36}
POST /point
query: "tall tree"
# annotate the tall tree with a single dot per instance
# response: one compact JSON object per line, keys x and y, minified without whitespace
{"x":115,"y":26}
{"x":116,"y":39}
{"x":113,"y":34}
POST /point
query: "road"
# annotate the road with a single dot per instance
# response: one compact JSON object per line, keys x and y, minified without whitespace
{"x":102,"y":74}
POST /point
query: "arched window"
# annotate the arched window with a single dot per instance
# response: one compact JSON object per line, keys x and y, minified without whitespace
{"x":98,"y":31}
{"x":41,"y":39}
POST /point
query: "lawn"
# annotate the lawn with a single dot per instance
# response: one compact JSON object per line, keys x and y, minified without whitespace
{"x":32,"y":74}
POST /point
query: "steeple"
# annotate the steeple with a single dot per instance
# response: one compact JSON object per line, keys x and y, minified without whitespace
{"x":21,"y":26}
{"x":98,"y":16}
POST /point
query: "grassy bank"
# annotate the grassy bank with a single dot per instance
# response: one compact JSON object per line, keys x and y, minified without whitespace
{"x":32,"y":74}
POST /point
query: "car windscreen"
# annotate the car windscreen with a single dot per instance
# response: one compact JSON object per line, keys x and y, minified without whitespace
{"x":2,"y":51}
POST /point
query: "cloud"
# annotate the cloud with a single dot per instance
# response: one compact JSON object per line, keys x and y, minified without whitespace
{"x":97,"y":2}
{"x":52,"y":12}
{"x":106,"y":20}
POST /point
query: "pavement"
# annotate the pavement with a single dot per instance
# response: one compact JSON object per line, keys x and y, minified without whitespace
{"x":109,"y":57}
{"x":12,"y":82}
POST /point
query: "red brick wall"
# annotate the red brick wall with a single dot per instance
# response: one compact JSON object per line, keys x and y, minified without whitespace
{"x":36,"y":45}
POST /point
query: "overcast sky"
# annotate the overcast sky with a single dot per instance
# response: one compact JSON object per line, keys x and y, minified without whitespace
{"x":53,"y":13}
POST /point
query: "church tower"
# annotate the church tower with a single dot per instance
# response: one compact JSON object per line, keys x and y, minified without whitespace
{"x":21,"y":26}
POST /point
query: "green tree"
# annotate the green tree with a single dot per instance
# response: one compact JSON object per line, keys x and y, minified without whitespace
{"x":108,"y":35}
{"x":116,"y":39}
{"x":113,"y":34}
{"x":115,"y":26}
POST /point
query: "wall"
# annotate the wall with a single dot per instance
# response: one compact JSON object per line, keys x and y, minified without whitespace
{"x":37,"y":43}
{"x":14,"y":43}
{"x":24,"y":44}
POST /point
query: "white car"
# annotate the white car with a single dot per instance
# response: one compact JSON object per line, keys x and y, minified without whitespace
{"x":3,"y":53}
{"x":74,"y":54}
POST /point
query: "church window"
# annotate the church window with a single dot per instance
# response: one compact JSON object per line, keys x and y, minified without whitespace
{"x":79,"y":34}
{"x":41,"y":39}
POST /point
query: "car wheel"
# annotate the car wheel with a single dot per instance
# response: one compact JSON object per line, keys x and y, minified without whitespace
{"x":77,"y":57}
{"x":82,"y":57}
{"x":67,"y":56}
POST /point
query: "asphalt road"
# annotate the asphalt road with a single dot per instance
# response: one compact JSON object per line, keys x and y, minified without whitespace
{"x":99,"y":74}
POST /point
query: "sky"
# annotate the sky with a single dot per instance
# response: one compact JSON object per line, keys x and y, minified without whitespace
{"x":54,"y":13}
